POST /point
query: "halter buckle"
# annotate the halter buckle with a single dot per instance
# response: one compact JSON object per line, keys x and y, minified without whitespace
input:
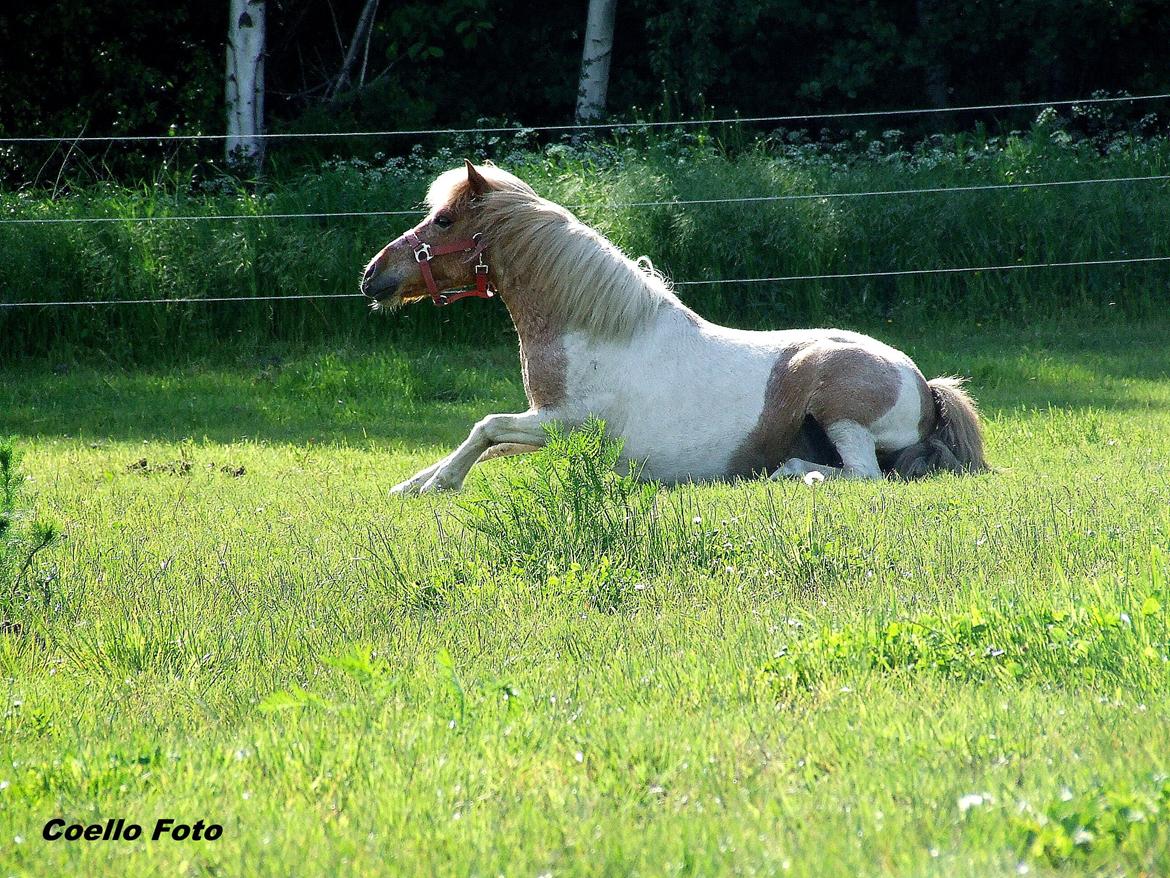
{"x":422,"y":253}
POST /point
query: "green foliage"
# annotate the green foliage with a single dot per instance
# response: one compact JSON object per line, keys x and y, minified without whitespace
{"x":1077,"y":644}
{"x":1099,"y":828}
{"x":690,"y":242}
{"x":22,"y":538}
{"x":108,"y":67}
{"x":568,"y":504}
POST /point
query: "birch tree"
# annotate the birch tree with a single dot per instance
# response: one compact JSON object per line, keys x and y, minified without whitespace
{"x":245,"y":84}
{"x":594,"y":82}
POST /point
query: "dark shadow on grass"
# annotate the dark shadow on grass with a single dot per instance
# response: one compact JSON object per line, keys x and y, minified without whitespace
{"x":361,"y":399}
{"x":422,"y":397}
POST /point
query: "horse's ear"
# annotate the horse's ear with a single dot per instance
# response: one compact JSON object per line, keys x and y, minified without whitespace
{"x":475,"y":179}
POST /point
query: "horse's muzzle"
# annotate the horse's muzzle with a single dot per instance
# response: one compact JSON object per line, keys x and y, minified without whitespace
{"x":378,"y":287}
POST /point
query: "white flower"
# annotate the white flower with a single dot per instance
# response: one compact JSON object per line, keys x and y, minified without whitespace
{"x":973,"y":800}
{"x":579,"y":756}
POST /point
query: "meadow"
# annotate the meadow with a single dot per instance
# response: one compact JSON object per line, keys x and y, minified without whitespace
{"x":558,"y":673}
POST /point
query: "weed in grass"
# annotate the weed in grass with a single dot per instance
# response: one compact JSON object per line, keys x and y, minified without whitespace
{"x":23,"y":537}
{"x":1099,"y":828}
{"x":1091,"y":645}
{"x":360,"y":666}
{"x":603,"y":586}
{"x":567,"y":505}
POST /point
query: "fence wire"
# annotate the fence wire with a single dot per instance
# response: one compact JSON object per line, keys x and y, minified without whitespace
{"x":590,"y":126}
{"x":616,"y":205}
{"x":906,"y":272}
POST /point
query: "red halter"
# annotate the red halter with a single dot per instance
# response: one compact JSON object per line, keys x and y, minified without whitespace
{"x":424,"y":253}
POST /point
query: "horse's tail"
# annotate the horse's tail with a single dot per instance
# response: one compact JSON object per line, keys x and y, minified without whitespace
{"x":955,"y":445}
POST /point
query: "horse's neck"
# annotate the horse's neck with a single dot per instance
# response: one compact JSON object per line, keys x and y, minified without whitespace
{"x":542,"y":350}
{"x":542,"y":332}
{"x":538,"y":317}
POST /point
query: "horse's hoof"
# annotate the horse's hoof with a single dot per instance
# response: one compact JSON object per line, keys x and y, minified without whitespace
{"x":437,"y":485}
{"x":793,"y":469}
{"x":404,"y":489}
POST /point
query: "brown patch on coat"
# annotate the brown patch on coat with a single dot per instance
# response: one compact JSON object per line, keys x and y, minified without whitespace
{"x":826,"y":380}
{"x":852,"y":385}
{"x":785,"y":406}
{"x":543,"y":364}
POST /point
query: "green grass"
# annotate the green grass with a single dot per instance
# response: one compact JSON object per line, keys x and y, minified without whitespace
{"x":953,"y":677}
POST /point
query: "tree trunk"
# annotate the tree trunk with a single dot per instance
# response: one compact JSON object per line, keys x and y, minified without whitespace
{"x":245,"y":85}
{"x":937,"y":87}
{"x":361,"y":33}
{"x":595,"y":60}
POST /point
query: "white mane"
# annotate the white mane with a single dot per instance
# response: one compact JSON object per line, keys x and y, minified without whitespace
{"x":578,"y":274}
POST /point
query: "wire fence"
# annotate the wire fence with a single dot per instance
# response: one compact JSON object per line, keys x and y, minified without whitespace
{"x":760,"y":199}
{"x":589,"y":126}
{"x":614,"y":205}
{"x":851,"y":275}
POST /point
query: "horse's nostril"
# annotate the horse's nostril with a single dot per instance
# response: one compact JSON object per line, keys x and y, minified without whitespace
{"x":371,"y":270}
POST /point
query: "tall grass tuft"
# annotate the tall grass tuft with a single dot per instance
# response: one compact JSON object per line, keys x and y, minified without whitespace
{"x":22,"y":538}
{"x":567,"y":505}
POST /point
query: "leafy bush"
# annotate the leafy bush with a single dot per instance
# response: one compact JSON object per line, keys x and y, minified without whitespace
{"x":609,"y":185}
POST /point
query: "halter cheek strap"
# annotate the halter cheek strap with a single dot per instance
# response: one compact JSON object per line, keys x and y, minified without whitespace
{"x":424,"y":253}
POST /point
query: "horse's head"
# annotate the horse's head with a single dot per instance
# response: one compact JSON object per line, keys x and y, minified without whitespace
{"x":443,"y":252}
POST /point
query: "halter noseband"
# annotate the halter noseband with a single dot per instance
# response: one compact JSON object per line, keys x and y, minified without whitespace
{"x":424,"y":253}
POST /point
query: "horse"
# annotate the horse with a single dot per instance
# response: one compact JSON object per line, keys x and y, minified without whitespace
{"x":602,"y":335}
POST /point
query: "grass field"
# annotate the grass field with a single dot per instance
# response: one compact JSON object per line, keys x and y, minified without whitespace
{"x":954,"y":677}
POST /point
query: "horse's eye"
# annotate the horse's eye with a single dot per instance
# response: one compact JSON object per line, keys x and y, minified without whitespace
{"x":443,"y":221}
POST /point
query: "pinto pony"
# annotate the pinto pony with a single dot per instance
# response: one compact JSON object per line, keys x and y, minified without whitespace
{"x":603,"y":335}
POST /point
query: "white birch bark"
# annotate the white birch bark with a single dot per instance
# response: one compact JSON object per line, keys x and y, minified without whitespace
{"x":594,"y":82}
{"x":245,"y":84}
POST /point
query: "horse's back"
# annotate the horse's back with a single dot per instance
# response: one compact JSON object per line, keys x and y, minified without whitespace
{"x":694,"y":400}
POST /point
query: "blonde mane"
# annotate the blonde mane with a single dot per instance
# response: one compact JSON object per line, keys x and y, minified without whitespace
{"x":580,"y":276}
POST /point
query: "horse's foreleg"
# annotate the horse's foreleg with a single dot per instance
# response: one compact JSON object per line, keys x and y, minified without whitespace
{"x":493,"y":431}
{"x":506,"y":449}
{"x":414,"y":484}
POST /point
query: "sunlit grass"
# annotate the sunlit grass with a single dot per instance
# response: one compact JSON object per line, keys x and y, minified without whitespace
{"x":952,"y":677}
